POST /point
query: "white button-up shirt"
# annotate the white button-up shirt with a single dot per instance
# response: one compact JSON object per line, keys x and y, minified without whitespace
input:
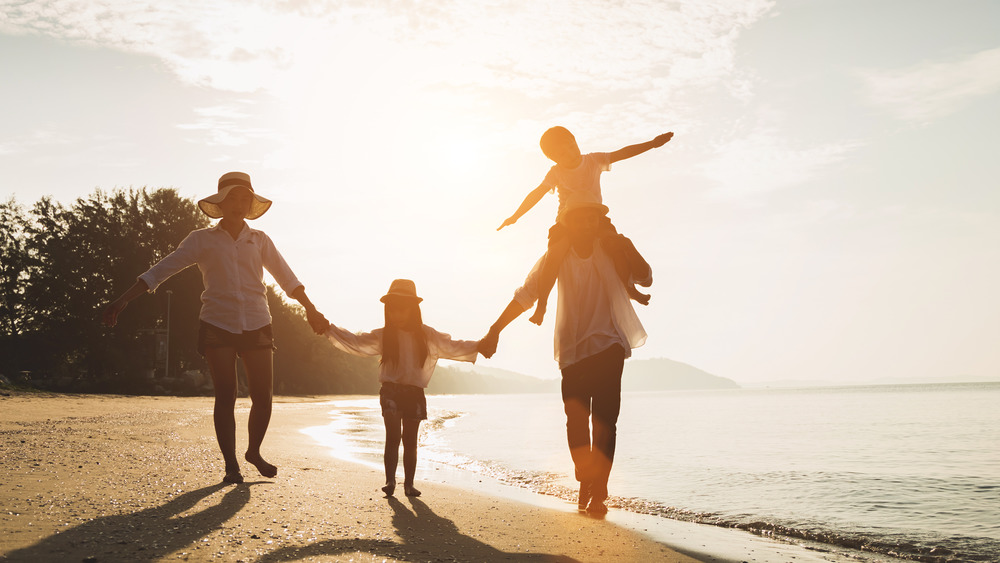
{"x":235,"y":298}
{"x":406,"y":372}
{"x":594,"y":311}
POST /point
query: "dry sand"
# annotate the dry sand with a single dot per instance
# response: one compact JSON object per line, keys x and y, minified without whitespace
{"x":111,"y":478}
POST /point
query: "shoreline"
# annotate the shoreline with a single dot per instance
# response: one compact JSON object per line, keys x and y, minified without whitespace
{"x":702,"y":541}
{"x":113,"y":478}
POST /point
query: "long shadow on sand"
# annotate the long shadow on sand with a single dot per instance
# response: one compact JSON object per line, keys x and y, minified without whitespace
{"x":145,"y":535}
{"x":425,"y":537}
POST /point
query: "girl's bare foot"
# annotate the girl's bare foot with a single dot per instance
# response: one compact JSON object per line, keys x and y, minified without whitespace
{"x":388,"y":489}
{"x":410,"y":491}
{"x":265,"y":468}
{"x":538,"y":316}
{"x":233,"y":476}
{"x":636,"y":294}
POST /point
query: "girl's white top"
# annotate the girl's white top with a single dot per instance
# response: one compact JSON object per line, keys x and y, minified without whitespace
{"x":581,"y":184}
{"x":235,"y":298}
{"x":594,"y":312}
{"x":406,"y":372}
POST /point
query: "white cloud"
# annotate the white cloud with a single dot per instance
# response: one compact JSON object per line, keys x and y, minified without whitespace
{"x":539,"y":48}
{"x":934,"y":89}
{"x":763,"y":162}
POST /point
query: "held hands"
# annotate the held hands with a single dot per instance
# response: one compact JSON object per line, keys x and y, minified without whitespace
{"x":317,"y":321}
{"x":488,"y":345}
{"x":661,"y":140}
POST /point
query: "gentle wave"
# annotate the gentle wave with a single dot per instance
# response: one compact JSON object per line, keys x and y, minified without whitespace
{"x":903,"y":504}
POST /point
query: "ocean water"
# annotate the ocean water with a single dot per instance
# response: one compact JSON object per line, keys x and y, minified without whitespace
{"x":911,"y":471}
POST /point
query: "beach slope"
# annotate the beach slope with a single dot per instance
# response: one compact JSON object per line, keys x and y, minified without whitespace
{"x":113,"y":478}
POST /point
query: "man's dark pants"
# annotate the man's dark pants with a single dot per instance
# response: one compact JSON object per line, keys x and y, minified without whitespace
{"x":593,"y":386}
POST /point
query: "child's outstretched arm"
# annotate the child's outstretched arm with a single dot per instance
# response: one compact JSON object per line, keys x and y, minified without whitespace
{"x":635,"y":150}
{"x":530,"y":200}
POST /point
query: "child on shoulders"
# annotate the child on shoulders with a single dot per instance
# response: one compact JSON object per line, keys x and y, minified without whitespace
{"x":577,"y":179}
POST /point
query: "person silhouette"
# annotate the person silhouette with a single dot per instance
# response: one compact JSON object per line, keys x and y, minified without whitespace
{"x":235,"y":322}
{"x":596,"y":329}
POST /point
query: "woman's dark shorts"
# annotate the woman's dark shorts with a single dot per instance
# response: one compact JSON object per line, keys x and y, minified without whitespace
{"x":211,"y":336}
{"x":404,"y":401}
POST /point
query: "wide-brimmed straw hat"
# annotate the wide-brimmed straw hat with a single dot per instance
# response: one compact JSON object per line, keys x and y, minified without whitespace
{"x":402,"y":289}
{"x":228,"y":181}
{"x":578,"y":205}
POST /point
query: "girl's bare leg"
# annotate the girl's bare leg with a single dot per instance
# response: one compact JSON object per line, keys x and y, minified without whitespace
{"x":554,"y":257}
{"x":222,"y":366}
{"x":260,"y":377}
{"x":391,"y":456}
{"x":411,"y":427}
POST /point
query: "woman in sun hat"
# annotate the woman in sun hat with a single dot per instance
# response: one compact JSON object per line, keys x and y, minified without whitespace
{"x":409,"y":351}
{"x":235,"y":320}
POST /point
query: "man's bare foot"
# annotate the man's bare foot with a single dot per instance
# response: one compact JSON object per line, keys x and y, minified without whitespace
{"x":410,"y":491}
{"x":597,"y":508}
{"x":233,"y":476}
{"x":538,"y":316}
{"x":636,"y":294}
{"x":388,"y":489}
{"x":265,"y":468}
{"x":584,"y":499}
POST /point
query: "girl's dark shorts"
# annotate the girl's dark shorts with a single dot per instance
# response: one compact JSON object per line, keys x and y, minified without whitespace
{"x":404,"y":401}
{"x":211,"y":336}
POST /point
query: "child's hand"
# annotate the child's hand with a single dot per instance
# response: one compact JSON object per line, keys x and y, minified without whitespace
{"x":662,"y":139}
{"x":507,"y":222}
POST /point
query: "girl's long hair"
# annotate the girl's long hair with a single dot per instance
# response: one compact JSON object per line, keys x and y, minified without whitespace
{"x":390,"y":337}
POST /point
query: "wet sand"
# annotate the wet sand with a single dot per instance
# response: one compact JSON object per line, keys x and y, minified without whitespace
{"x":111,"y":478}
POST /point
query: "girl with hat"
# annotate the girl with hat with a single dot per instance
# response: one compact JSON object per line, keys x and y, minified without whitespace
{"x":235,"y":319}
{"x":409,"y":351}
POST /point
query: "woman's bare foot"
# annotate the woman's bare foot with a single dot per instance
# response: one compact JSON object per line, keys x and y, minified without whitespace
{"x":233,"y":476}
{"x":265,"y":468}
{"x":388,"y":489}
{"x":410,"y":491}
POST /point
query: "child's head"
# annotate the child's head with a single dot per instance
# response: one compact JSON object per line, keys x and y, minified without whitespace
{"x":402,"y":313}
{"x":559,"y":145}
{"x":402,"y":306}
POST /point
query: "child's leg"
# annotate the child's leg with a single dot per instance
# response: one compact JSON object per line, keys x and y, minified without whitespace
{"x":260,"y":377}
{"x":222,"y":366}
{"x":627,"y":261}
{"x":554,"y":256}
{"x":391,"y":455}
{"x":411,"y":427}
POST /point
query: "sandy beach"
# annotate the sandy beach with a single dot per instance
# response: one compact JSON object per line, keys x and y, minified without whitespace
{"x":113,"y":478}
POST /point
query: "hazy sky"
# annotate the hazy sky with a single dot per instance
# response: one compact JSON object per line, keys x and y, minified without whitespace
{"x":827,"y":210}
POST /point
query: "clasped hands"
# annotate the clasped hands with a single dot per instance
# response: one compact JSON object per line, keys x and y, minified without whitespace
{"x":317,"y":321}
{"x":488,"y":344}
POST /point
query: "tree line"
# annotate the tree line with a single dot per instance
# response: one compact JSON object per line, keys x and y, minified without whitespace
{"x":59,"y":266}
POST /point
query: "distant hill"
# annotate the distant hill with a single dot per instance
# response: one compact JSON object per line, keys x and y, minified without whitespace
{"x":478,"y":380}
{"x":661,"y":374}
{"x":658,"y":374}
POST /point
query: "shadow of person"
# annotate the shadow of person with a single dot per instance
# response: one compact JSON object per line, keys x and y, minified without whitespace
{"x":145,"y":535}
{"x":425,"y":536}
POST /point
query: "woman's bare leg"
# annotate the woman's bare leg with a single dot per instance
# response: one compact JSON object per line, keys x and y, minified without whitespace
{"x":222,"y":366}
{"x":260,"y":377}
